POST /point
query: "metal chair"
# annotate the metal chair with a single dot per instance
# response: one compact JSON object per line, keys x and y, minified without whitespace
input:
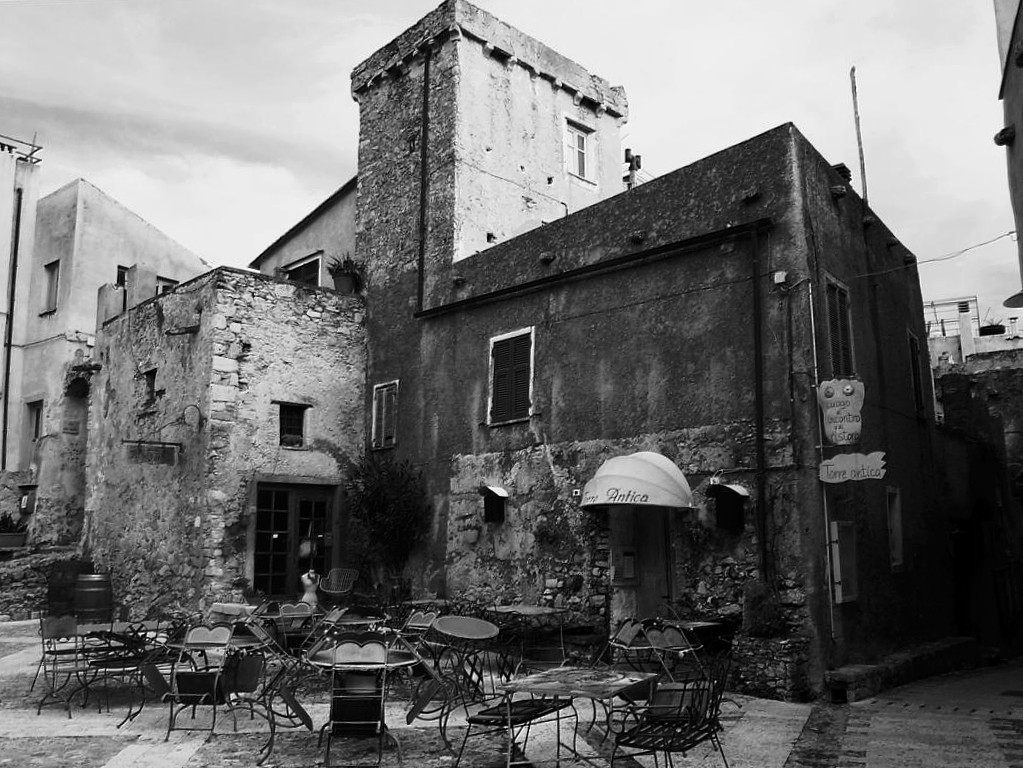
{"x":197,"y":678}
{"x":679,"y":717}
{"x":337,"y":586}
{"x":64,"y":665}
{"x":358,"y":690}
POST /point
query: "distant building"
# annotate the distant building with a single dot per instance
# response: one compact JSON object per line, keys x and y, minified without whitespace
{"x":72,"y":241}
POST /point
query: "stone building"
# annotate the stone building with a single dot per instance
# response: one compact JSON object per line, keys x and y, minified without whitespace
{"x":224,"y":414}
{"x":694,"y":316}
{"x":80,"y":238}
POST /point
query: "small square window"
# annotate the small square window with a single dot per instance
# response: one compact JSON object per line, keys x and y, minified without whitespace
{"x":51,"y":273}
{"x":292,"y":424}
{"x":165,"y":284}
{"x":306,"y":272}
{"x":385,"y":415}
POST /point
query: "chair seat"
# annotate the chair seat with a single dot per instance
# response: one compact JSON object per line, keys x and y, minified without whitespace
{"x":667,"y":736}
{"x":520,"y":712}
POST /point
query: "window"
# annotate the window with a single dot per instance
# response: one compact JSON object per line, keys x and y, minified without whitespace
{"x":579,"y":150}
{"x":843,"y":561}
{"x":151,"y":393}
{"x":35,"y":420}
{"x":292,"y":424}
{"x":165,"y":284}
{"x":511,"y":363}
{"x":52,"y":274}
{"x":839,"y":330}
{"x":122,"y":276}
{"x":894,"y":498}
{"x":916,"y":370}
{"x":306,"y":272}
{"x":385,"y":415}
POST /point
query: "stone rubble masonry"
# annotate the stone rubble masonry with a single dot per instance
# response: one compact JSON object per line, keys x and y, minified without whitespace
{"x":173,"y":466}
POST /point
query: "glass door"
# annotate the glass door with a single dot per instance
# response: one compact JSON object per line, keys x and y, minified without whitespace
{"x":293,"y":524}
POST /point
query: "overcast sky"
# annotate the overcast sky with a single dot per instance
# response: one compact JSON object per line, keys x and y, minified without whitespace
{"x":223,"y":122}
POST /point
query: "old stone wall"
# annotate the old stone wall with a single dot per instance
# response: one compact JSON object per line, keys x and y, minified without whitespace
{"x":185,"y":423}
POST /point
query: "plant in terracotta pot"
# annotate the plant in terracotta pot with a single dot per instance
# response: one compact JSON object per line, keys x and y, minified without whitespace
{"x":13,"y":531}
{"x":347,"y":274}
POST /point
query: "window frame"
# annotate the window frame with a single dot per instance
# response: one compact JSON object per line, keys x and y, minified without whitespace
{"x":513,"y":415}
{"x":576,"y":131}
{"x":51,"y":286}
{"x":838,"y":312}
{"x":384,"y":409}
{"x":291,"y":439}
{"x":165,"y":285}
{"x":35,"y":410}
{"x":304,"y":263}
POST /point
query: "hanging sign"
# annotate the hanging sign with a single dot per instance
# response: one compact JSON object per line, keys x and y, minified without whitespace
{"x":853,"y":466}
{"x":841,"y":401}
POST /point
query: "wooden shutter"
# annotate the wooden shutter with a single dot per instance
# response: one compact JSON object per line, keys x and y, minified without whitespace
{"x":510,"y":386}
{"x":843,"y":561}
{"x":385,"y":415}
{"x":839,"y":330}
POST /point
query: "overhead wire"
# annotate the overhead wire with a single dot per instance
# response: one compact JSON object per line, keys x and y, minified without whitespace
{"x":944,"y":257}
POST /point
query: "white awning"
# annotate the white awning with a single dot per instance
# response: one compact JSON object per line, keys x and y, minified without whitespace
{"x":643,"y":479}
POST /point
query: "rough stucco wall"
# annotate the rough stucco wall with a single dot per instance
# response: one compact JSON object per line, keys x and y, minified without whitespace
{"x":512,"y":169}
{"x":178,"y":531}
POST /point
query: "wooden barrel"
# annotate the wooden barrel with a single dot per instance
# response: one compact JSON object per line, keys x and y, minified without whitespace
{"x":94,"y":598}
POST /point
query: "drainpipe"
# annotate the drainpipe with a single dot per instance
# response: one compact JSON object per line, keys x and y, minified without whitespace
{"x":9,"y":330}
{"x":424,"y":178}
{"x":758,"y":393}
{"x":820,"y":450}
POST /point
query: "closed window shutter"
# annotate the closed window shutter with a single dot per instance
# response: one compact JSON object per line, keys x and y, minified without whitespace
{"x":385,"y":415}
{"x":390,"y":409}
{"x":510,"y":392}
{"x":839,"y":331}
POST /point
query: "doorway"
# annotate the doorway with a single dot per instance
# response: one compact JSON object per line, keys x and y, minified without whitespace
{"x":641,"y":580}
{"x":293,"y":535}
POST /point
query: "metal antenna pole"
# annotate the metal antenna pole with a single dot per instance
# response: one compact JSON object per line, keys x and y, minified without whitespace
{"x":859,"y":136}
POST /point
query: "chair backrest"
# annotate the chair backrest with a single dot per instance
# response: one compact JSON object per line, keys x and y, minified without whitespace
{"x":339,"y":581}
{"x":296,"y":609}
{"x":360,"y":648}
{"x":420,"y":621}
{"x":218,"y":635}
{"x":626,"y":633}
{"x":62,"y":627}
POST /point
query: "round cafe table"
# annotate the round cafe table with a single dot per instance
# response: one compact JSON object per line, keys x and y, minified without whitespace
{"x":468,"y":652}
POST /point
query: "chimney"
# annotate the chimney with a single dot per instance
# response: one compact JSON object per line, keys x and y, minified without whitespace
{"x":843,"y":170}
{"x":967,"y":346}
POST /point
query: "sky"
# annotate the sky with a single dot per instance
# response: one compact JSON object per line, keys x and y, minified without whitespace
{"x":224,"y":122}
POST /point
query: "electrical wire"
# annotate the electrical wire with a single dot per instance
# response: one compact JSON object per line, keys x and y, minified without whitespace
{"x":945,"y":257}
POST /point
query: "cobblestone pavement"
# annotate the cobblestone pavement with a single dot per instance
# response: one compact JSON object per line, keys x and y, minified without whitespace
{"x":963,"y":720}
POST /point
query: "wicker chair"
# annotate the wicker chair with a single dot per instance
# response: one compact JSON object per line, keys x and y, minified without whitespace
{"x":338,"y":584}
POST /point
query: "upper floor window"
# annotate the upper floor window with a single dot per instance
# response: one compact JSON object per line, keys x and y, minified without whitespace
{"x":35,"y":420}
{"x":839,"y":330}
{"x":292,"y":424}
{"x":164,"y":284}
{"x":51,"y":273}
{"x":385,"y":415}
{"x":579,"y":150}
{"x":122,"y":276}
{"x":306,"y":271}
{"x":511,"y":379}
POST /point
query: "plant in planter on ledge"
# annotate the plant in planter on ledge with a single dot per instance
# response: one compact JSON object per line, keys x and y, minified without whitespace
{"x":347,"y":274}
{"x":12,"y":531}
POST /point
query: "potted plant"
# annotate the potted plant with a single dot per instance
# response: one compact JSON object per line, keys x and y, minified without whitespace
{"x":346,"y":273}
{"x":12,"y":531}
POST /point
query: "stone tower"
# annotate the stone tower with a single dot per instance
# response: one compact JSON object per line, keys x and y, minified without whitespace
{"x":470,"y":134}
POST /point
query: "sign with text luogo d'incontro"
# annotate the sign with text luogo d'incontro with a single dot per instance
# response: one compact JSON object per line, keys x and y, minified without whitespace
{"x":841,"y":401}
{"x":853,"y":466}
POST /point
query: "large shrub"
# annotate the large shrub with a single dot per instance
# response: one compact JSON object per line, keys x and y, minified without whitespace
{"x":390,"y":515}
